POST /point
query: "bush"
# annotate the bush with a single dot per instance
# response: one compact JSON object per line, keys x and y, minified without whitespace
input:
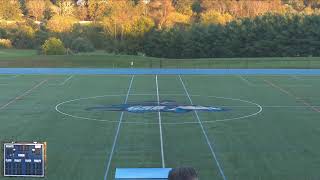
{"x":53,"y":46}
{"x":23,"y":36}
{"x":5,"y":43}
{"x":81,"y":45}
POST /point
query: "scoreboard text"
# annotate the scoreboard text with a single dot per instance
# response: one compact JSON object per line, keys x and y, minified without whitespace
{"x":24,"y":159}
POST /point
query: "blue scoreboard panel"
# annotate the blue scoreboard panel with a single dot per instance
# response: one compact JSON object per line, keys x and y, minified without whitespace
{"x":24,"y":159}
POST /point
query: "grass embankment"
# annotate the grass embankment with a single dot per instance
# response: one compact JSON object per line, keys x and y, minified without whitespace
{"x":99,"y":59}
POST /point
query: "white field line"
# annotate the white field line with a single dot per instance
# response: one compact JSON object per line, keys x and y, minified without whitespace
{"x":302,"y":78}
{"x":63,"y":82}
{"x":211,"y":145}
{"x":293,"y":95}
{"x":10,"y":77}
{"x":117,"y":132}
{"x":22,"y":95}
{"x":296,"y":78}
{"x":249,"y":83}
{"x":246,"y":81}
{"x":160,"y":125}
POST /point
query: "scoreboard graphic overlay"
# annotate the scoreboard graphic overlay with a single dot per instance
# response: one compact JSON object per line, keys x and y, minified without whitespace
{"x":24,"y":159}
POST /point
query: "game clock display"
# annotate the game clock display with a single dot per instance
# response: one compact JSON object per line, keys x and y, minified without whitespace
{"x":24,"y":159}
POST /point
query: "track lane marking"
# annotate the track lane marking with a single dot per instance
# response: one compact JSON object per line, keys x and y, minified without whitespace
{"x":117,"y":132}
{"x":211,"y":145}
{"x":23,"y":94}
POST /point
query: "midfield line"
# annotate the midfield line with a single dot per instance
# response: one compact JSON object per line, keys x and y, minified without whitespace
{"x":117,"y":132}
{"x":211,"y":145}
{"x":160,"y":125}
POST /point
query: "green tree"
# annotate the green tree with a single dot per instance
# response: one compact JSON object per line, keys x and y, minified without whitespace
{"x":53,"y":46}
{"x":23,"y":36}
{"x":81,"y":45}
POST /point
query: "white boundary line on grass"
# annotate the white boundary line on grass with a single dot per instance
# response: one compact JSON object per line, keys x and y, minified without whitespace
{"x":249,"y":83}
{"x":296,"y":78}
{"x":211,"y":145}
{"x":66,"y":80}
{"x":10,"y":77}
{"x":63,"y":82}
{"x":160,"y":125}
{"x":22,"y":95}
{"x":302,"y":100}
{"x":246,"y":81}
{"x":117,"y":133}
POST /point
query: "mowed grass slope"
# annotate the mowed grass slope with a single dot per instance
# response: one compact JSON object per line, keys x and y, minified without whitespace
{"x":10,"y":58}
{"x":280,"y":142}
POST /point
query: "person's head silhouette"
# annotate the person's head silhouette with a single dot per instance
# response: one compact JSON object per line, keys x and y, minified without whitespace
{"x":183,"y":174}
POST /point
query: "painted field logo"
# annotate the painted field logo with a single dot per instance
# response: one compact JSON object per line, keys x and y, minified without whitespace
{"x":152,"y":106}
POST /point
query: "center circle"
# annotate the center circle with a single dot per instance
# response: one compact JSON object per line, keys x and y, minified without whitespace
{"x":75,"y":108}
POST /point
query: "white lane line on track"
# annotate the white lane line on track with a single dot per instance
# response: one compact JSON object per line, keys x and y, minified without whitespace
{"x":211,"y":145}
{"x":22,"y":95}
{"x":117,"y":132}
{"x":160,"y":125}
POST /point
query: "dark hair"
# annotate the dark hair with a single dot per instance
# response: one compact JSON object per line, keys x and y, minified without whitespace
{"x":183,"y":174}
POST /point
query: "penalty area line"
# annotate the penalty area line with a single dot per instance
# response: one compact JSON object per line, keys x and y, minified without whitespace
{"x":211,"y":145}
{"x":117,"y":132}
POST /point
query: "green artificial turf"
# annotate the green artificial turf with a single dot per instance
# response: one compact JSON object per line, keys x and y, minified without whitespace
{"x":280,"y":142}
{"x":101,"y":59}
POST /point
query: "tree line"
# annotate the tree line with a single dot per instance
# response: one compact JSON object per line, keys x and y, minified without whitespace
{"x":165,"y":28}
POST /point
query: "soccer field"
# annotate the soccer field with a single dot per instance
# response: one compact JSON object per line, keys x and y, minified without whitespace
{"x":269,"y":128}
